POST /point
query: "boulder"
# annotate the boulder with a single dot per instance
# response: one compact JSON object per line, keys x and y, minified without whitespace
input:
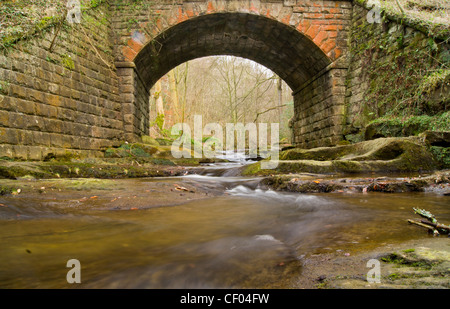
{"x":388,"y":155}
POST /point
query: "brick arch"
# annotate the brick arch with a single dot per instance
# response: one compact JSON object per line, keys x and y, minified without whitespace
{"x":277,"y":46}
{"x":322,"y":21}
{"x":303,"y":41}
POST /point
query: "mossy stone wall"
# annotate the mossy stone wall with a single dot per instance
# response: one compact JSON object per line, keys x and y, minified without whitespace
{"x":63,"y":99}
{"x":391,"y":65}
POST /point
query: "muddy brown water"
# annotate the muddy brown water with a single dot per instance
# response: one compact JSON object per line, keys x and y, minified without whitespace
{"x":221,"y":232}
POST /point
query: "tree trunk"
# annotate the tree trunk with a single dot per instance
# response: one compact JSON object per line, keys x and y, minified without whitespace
{"x":280,"y":97}
{"x":159,"y":102}
{"x":173,"y":89}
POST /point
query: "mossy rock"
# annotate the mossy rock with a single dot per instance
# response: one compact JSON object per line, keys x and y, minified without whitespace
{"x":164,"y":141}
{"x":388,"y":155}
{"x":149,"y":140}
{"x":410,"y":126}
{"x":135,"y":150}
{"x":5,"y":190}
{"x":66,"y":156}
{"x":436,"y":138}
{"x":16,"y":170}
{"x":390,"y":128}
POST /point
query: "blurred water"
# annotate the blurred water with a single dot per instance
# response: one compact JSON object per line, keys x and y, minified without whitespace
{"x":244,"y":238}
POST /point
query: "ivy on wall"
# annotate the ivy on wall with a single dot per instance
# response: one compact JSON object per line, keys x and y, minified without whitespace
{"x":405,"y":75}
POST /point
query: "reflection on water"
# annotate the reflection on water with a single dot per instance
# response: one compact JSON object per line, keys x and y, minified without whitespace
{"x":246,"y":237}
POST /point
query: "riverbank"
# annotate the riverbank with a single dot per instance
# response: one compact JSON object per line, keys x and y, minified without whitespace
{"x":438,"y":182}
{"x":17,"y":174}
{"x":416,"y":264}
{"x":101,"y":194}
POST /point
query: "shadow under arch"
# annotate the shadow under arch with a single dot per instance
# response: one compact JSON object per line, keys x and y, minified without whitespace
{"x":279,"y":47}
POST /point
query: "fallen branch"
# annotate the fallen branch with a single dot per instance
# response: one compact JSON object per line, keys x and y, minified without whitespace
{"x":431,"y":223}
{"x":430,"y":228}
{"x":427,"y":226}
{"x":57,"y":30}
{"x":426,"y":214}
{"x":441,"y":227}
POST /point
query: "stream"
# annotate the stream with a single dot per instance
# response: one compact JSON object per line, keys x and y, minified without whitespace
{"x":236,"y":235}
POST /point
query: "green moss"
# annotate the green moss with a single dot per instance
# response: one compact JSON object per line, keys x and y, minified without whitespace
{"x":46,"y":22}
{"x":14,"y":172}
{"x":409,"y":259}
{"x":394,"y":258}
{"x":5,"y":190}
{"x":149,"y":140}
{"x":395,"y":126}
{"x":4,"y":87}
{"x":252,"y":169}
{"x":67,"y":62}
{"x":169,"y":162}
{"x":67,"y":156}
{"x":136,"y":150}
{"x":435,"y":80}
{"x":349,"y":166}
{"x":409,"y":250}
{"x":400,"y":70}
{"x":164,"y":141}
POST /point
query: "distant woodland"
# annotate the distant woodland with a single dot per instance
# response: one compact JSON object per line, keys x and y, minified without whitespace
{"x":223,"y":89}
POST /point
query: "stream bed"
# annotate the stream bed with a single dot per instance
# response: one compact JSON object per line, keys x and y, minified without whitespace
{"x":205,"y":230}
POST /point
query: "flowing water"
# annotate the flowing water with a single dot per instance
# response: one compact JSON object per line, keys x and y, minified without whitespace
{"x":244,"y":237}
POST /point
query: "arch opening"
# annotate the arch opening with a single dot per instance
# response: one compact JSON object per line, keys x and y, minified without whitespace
{"x":223,"y":90}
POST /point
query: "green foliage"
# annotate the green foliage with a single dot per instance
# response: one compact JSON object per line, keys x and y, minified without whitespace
{"x":4,"y":87}
{"x":395,"y":126}
{"x":402,"y":69}
{"x":442,"y":155}
{"x":434,"y":80}
{"x":22,"y":19}
{"x":67,"y":62}
{"x":95,"y":3}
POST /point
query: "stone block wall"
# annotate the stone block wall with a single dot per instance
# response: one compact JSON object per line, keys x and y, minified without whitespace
{"x":388,"y":62}
{"x":134,"y":96}
{"x":62,"y":100}
{"x":319,"y":109}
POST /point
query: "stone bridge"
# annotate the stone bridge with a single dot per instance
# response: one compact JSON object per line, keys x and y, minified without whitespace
{"x":91,"y":91}
{"x":304,"y":42}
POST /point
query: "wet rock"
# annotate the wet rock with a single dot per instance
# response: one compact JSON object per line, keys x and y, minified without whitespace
{"x":437,"y":182}
{"x":387,"y":155}
{"x":432,"y":138}
{"x":421,"y":264}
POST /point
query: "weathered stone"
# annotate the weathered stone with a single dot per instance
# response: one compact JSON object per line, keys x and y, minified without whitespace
{"x":388,"y":155}
{"x":441,"y":139}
